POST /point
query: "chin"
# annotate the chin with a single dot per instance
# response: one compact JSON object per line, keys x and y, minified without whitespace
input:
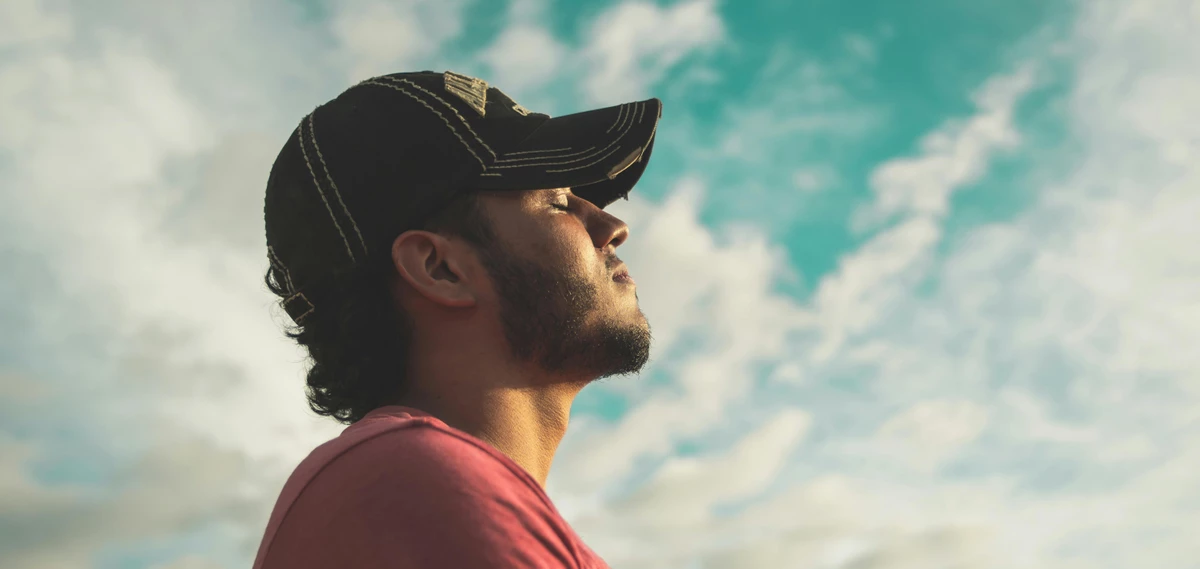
{"x":622,"y":348}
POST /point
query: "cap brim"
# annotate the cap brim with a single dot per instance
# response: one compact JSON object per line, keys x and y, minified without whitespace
{"x":601,"y":153}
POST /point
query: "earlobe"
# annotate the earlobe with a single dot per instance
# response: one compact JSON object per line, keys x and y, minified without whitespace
{"x":428,"y":264}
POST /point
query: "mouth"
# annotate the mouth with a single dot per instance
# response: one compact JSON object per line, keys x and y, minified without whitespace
{"x":622,"y":276}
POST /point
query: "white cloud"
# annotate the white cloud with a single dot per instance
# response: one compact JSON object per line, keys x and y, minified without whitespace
{"x":951,"y":157}
{"x":632,"y":46}
{"x":813,"y":178}
{"x":860,"y":46}
{"x":796,"y":98}
{"x":884,"y":269}
{"x":230,"y":180}
{"x":869,"y":280}
{"x":1083,"y":303}
{"x":29,"y":21}
{"x":96,"y":125}
{"x":526,"y":55}
{"x":67,"y":525}
{"x":777,"y":146}
{"x":683,"y":491}
{"x":931,"y":431}
{"x":944,"y":547}
{"x":191,"y":562}
{"x":384,"y":37}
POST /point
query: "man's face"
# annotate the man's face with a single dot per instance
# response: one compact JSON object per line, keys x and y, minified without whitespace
{"x":553,"y":271}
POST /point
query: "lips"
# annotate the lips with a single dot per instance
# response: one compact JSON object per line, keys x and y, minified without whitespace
{"x":622,"y":276}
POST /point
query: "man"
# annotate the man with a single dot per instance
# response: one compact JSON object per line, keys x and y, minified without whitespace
{"x":445,"y":256}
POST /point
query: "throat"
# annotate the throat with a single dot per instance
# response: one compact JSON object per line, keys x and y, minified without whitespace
{"x":525,"y":424}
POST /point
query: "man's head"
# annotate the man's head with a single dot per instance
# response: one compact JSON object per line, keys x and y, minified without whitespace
{"x":416,"y":203}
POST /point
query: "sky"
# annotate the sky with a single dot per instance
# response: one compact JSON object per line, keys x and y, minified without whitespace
{"x":922,"y":275}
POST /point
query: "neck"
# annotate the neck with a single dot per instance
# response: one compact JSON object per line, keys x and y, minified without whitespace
{"x":523,"y":419}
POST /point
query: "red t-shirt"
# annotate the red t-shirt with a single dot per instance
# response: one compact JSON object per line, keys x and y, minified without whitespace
{"x":400,"y":489}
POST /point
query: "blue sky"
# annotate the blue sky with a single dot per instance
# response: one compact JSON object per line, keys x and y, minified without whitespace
{"x":921,"y":275}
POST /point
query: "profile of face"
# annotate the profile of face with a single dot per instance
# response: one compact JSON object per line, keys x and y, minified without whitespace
{"x":565,"y":301}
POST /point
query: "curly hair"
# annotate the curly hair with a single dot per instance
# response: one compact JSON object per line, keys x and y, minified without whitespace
{"x":358,"y":346}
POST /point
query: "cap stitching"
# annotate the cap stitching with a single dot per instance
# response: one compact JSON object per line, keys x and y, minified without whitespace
{"x":620,"y":113}
{"x":435,"y":111}
{"x":614,"y":150}
{"x":547,"y":157}
{"x":312,"y":133}
{"x":641,"y":113}
{"x":454,"y":110}
{"x":277,"y":263}
{"x":610,"y":153}
{"x":320,"y":191}
{"x":628,"y":116}
{"x":628,"y":127}
{"x":532,"y":151}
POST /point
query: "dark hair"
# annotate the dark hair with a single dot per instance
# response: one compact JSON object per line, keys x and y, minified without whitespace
{"x":358,"y":345}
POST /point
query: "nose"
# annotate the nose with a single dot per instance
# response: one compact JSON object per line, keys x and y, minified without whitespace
{"x":608,"y":230}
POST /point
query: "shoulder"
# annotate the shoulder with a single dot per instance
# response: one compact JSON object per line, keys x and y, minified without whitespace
{"x":419,"y":491}
{"x":414,"y":465}
{"x":426,"y":455}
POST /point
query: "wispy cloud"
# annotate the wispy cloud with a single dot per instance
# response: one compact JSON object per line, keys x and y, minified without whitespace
{"x":632,"y":46}
{"x":379,"y":37}
{"x":777,"y":146}
{"x":621,"y":53}
{"x":27,"y":21}
{"x":951,"y":157}
{"x":526,"y":55}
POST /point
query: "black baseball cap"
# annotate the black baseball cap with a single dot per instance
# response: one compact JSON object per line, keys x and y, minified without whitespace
{"x":388,"y":153}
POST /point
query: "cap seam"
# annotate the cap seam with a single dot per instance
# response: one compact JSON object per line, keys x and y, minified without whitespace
{"x":273,"y":257}
{"x":452,"y":109}
{"x":312,"y":133}
{"x":320,"y":191}
{"x":593,"y":163}
{"x":532,"y":151}
{"x":435,"y":111}
{"x":620,"y":113}
{"x":549,"y":157}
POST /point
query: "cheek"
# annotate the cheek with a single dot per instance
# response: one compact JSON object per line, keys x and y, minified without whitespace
{"x":571,"y":247}
{"x":582,"y":250}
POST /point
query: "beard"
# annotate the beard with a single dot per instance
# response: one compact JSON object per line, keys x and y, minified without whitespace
{"x":545,"y":318}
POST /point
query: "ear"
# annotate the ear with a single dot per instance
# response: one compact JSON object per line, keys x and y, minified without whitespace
{"x":433,"y":266}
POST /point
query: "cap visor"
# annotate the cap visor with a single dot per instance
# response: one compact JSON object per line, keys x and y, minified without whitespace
{"x":602,"y":152}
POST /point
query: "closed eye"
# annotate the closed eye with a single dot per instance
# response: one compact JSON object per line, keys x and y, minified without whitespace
{"x":563,"y":207}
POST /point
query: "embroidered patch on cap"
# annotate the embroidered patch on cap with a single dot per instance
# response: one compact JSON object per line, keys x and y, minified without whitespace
{"x":469,"y":89}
